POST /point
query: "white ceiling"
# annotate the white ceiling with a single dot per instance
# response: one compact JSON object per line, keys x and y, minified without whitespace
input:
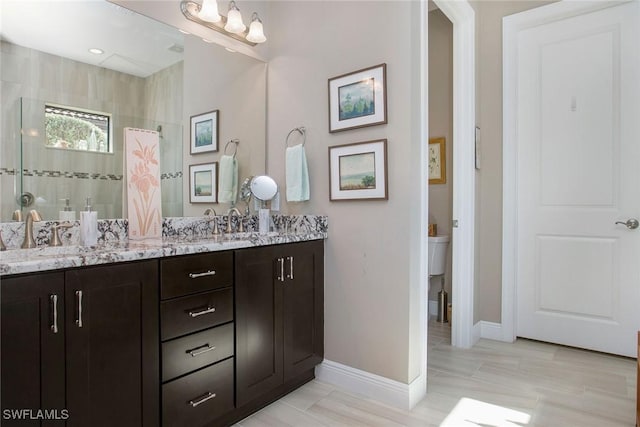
{"x":132,"y":43}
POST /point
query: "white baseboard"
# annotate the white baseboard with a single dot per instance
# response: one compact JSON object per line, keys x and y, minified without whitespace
{"x":390,"y":392}
{"x":491,"y":330}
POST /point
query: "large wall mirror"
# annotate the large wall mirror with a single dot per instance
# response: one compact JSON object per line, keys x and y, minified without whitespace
{"x":148,"y":76}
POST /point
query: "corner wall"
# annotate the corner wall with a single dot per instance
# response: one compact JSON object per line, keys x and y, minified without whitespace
{"x":368,"y":308}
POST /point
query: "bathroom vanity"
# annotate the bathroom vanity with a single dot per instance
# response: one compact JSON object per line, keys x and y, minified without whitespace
{"x":182,"y":333}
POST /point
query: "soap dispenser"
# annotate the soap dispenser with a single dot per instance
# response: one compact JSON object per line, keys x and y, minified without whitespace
{"x":67,"y":214}
{"x":88,"y":226}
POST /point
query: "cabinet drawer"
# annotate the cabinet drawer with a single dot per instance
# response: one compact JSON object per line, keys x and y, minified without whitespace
{"x":180,"y":398}
{"x":195,"y":273}
{"x":184,"y":315}
{"x":194,"y":351}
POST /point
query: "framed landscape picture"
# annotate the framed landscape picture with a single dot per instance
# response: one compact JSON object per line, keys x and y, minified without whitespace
{"x":204,"y":132}
{"x":358,"y":171}
{"x":358,"y":99}
{"x":437,"y":161}
{"x":203,"y":183}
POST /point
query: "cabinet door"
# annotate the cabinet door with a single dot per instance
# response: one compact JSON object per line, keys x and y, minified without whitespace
{"x":303,"y":307}
{"x":258,"y":323}
{"x":32,"y":355}
{"x":113,"y":345}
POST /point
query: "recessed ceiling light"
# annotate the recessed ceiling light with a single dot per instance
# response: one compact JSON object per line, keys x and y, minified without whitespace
{"x":96,"y":51}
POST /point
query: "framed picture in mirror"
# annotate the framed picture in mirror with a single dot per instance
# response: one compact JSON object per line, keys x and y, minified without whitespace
{"x":204,"y":132}
{"x":203,"y":183}
{"x":437,"y":161}
{"x":358,"y":171}
{"x":358,"y":99}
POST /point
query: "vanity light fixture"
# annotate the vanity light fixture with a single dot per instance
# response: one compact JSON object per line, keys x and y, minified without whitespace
{"x":231,"y":25}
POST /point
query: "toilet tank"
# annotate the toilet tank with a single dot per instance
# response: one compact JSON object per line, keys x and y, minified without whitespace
{"x":438,"y":248}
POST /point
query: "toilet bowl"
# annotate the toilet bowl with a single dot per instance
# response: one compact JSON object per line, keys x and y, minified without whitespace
{"x":438,"y":246}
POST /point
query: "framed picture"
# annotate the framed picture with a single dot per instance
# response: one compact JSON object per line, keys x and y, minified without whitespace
{"x":437,"y":161}
{"x":358,"y":99}
{"x":204,"y":132}
{"x":358,"y":171}
{"x":203,"y":183}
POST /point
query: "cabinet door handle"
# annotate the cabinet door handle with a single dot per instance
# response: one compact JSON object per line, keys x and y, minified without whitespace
{"x":54,"y":310}
{"x":205,"y":348}
{"x":79,"y":304}
{"x":291,"y":267}
{"x":206,"y":273}
{"x":201,"y":399}
{"x":281,"y":276}
{"x":207,"y":310}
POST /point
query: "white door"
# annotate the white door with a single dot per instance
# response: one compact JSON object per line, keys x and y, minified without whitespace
{"x":578,"y":173}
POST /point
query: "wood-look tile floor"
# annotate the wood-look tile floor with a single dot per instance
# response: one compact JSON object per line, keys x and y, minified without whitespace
{"x":526,"y":383}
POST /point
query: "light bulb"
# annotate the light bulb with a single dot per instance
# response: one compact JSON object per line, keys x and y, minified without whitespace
{"x":256,"y":32}
{"x":234,"y":20}
{"x":209,"y":11}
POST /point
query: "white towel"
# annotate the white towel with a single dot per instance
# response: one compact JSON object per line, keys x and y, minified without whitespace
{"x":228,"y":185}
{"x":297,"y":174}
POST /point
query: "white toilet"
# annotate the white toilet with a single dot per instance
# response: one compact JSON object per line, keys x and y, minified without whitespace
{"x":438,"y":246}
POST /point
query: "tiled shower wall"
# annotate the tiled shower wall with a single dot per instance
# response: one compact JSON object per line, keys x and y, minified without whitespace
{"x":30,"y":79}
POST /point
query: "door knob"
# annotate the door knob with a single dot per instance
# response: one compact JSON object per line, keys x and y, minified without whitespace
{"x":631,"y":223}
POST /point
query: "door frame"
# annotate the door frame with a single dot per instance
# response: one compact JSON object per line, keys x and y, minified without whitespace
{"x":462,"y":16}
{"x":511,"y":26}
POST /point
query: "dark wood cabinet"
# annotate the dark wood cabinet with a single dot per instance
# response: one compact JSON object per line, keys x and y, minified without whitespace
{"x":32,"y":357}
{"x":102,"y":365}
{"x":112,"y":345}
{"x":279,"y":315}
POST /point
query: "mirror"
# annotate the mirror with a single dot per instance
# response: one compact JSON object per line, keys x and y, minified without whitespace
{"x":136,"y":95}
{"x":264,"y":188}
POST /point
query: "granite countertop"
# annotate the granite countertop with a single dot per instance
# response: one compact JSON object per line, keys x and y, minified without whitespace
{"x":19,"y":261}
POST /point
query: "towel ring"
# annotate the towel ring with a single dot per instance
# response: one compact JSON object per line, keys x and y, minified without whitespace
{"x":302,"y":130}
{"x":235,"y":144}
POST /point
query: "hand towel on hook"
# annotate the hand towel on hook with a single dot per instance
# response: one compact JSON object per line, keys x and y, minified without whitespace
{"x":228,"y":185}
{"x":297,"y":174}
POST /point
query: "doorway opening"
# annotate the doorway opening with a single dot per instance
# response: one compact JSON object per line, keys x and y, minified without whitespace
{"x":441,"y":144}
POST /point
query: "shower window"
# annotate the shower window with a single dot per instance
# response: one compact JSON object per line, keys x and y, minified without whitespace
{"x":74,"y":129}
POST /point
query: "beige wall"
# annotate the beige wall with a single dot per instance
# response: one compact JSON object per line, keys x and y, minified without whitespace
{"x":489,"y":16}
{"x":368,"y":306}
{"x":441,"y":125}
{"x":234,"y":84}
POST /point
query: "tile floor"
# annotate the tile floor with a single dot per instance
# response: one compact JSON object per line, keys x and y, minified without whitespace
{"x":526,"y":383}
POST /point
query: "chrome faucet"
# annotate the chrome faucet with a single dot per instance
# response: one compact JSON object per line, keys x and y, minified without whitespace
{"x":239,"y":215}
{"x":213,"y":219}
{"x":29,"y":242}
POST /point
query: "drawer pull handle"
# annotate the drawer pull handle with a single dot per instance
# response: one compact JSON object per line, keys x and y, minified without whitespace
{"x":198,"y":400}
{"x":54,"y":306}
{"x":207,"y":310}
{"x":201,"y":350}
{"x":206,"y":273}
{"x":79,"y":305}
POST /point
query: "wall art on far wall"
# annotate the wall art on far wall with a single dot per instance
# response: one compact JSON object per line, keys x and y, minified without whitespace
{"x":358,"y":171}
{"x":204,"y":132}
{"x":203,"y":183}
{"x":358,"y":99}
{"x":437,"y":161}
